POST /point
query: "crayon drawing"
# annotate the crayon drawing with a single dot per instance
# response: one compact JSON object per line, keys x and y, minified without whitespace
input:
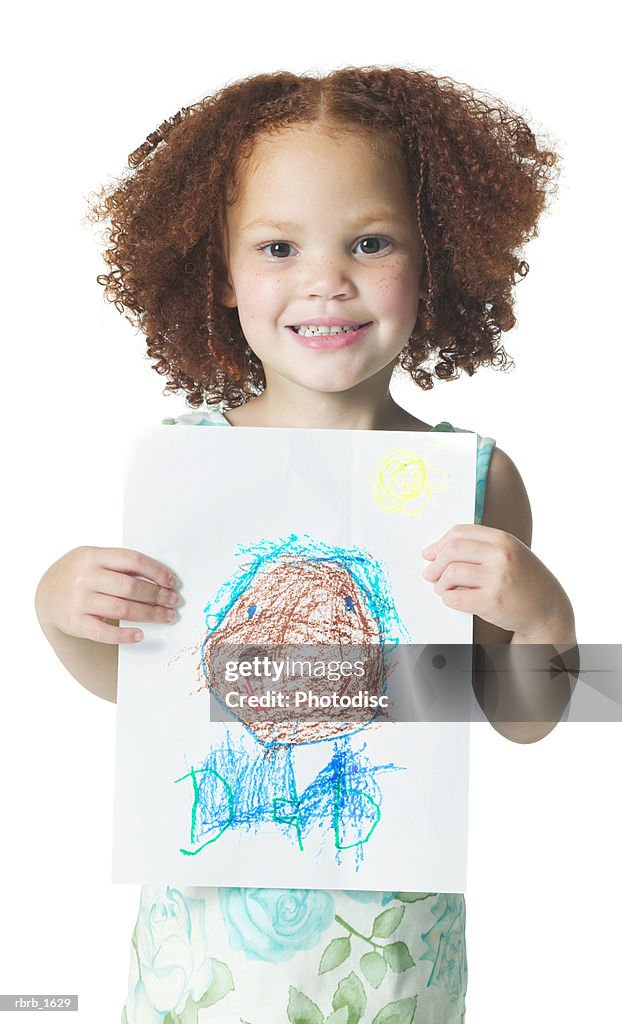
{"x":237,"y":788}
{"x":293,"y":594}
{"x":296,"y":596}
{"x":403,"y":481}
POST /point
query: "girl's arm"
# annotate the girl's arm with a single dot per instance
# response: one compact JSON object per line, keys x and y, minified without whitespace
{"x":93,"y":665}
{"x":521,"y":673}
{"x":81,"y":598}
{"x":522,"y":616}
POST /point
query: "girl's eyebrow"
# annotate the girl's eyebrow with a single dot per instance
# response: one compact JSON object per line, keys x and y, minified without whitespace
{"x":382,"y":216}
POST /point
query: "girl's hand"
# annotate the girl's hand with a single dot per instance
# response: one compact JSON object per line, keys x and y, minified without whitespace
{"x":492,"y":574}
{"x":89,"y":589}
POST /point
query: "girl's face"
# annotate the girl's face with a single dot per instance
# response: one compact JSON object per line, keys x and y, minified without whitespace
{"x":323,"y":228}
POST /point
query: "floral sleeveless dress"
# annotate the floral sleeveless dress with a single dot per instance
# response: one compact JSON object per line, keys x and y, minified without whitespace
{"x":204,"y":955}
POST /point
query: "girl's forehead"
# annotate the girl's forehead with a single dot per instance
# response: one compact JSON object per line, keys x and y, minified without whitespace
{"x":292,"y":138}
{"x":289,"y":158}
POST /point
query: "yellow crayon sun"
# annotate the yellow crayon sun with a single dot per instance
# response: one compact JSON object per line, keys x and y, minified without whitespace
{"x":403,"y":481}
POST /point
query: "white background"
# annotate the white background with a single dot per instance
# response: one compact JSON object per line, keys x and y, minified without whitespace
{"x":83,"y":87}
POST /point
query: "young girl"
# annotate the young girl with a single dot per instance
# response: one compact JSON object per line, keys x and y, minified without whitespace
{"x":284,"y":245}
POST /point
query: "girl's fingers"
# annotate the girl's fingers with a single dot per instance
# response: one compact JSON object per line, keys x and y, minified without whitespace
{"x":460,"y":574}
{"x":455,"y":551}
{"x":109,"y":607}
{"x":473,"y":602}
{"x":125,"y":560}
{"x":463,"y":532}
{"x":132,"y":588}
{"x":104,"y":633}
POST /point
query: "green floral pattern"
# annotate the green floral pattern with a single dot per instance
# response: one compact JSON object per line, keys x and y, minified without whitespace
{"x":261,"y":956}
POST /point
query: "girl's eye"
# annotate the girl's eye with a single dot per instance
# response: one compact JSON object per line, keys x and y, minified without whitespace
{"x":374,"y":239}
{"x":276,"y":246}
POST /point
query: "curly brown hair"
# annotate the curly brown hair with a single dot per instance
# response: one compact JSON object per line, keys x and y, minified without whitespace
{"x":475,"y":168}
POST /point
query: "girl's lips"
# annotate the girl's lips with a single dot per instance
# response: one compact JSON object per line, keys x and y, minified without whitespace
{"x":330,"y":341}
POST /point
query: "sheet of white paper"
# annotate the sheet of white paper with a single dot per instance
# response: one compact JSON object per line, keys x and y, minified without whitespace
{"x":192,"y":795}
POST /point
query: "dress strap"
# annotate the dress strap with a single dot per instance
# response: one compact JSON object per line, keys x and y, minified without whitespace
{"x":210,"y":417}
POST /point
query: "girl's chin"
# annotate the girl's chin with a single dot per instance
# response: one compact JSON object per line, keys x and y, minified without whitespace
{"x":327,"y":380}
{"x":331,"y":386}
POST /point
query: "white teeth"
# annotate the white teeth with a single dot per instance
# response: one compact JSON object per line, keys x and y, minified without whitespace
{"x":309,"y":331}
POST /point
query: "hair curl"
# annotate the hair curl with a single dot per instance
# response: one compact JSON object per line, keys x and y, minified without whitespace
{"x":473,"y":165}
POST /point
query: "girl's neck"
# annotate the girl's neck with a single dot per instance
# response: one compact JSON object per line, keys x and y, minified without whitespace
{"x":339,"y":411}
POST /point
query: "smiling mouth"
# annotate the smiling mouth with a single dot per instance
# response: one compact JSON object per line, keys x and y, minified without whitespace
{"x":313,"y":329}
{"x":329,"y":340}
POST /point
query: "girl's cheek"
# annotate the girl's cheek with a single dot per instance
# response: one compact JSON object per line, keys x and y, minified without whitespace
{"x":261,"y":293}
{"x":395,"y":289}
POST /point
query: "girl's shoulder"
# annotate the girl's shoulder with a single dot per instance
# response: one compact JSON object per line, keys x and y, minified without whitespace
{"x":500,"y":485}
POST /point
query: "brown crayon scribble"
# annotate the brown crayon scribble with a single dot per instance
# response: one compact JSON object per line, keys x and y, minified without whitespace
{"x":294,"y":607}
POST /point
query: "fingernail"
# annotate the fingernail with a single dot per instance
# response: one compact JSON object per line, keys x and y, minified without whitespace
{"x":172,"y":580}
{"x":137,"y":637}
{"x":169,"y":615}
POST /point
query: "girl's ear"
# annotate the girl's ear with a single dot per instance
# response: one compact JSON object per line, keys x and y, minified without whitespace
{"x":227,"y":295}
{"x":226,"y":291}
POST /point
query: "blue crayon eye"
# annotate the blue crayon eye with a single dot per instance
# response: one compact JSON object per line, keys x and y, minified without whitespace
{"x":251,"y":611}
{"x":349,"y":604}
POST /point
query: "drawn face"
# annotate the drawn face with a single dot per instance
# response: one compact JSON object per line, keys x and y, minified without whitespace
{"x":323,"y":227}
{"x":295,"y":601}
{"x":296,"y":608}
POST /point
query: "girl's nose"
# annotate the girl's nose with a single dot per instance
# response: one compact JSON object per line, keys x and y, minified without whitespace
{"x":328,"y":279}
